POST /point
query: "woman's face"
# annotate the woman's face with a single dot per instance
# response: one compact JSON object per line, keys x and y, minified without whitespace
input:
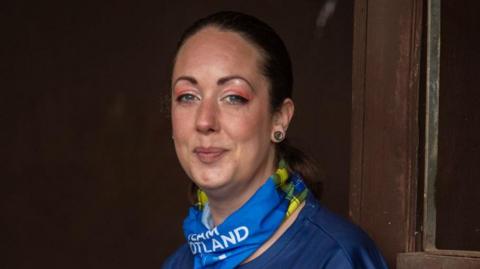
{"x":220,"y":113}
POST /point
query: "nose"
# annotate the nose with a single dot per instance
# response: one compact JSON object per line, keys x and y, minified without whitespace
{"x":207,"y":117}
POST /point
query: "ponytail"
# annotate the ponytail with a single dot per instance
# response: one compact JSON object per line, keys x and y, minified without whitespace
{"x":300,"y":163}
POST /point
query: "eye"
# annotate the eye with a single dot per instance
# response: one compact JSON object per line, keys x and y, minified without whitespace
{"x":187,"y":98}
{"x":236,"y":99}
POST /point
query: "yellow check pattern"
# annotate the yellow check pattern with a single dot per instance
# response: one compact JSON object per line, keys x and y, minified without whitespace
{"x":294,"y":189}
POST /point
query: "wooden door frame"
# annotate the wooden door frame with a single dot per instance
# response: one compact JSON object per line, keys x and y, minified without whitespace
{"x":383,"y":179}
{"x":384,"y":195}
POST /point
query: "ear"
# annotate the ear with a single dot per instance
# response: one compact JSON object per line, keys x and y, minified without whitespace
{"x":281,"y":120}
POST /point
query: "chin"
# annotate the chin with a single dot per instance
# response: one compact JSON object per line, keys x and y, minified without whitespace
{"x":210,"y":179}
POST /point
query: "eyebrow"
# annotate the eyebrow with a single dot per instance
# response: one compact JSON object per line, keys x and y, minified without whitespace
{"x":224,"y":80}
{"x":220,"y":82}
{"x":187,"y":78}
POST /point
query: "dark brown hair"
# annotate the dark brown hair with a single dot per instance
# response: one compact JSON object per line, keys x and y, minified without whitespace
{"x":276,"y":67}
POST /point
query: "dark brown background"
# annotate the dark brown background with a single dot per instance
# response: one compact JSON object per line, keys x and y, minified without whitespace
{"x":458,"y":184}
{"x":89,"y":175}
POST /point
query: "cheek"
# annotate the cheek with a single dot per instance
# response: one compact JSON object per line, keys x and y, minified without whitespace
{"x":180,"y":123}
{"x":180,"y":137}
{"x":250,"y":127}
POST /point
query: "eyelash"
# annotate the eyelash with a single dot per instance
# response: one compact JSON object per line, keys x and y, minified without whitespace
{"x":230,"y":99}
{"x":186,"y":98}
{"x":238,"y":100}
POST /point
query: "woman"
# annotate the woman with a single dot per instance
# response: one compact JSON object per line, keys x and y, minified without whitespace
{"x":231,"y":108}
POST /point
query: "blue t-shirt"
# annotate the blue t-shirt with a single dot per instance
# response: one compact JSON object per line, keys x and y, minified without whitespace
{"x":317,"y":239}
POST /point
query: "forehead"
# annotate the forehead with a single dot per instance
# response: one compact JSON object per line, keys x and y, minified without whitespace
{"x":212,"y":48}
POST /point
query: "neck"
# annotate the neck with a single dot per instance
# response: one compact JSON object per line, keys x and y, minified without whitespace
{"x":223,"y":206}
{"x":224,"y":202}
{"x":220,"y":210}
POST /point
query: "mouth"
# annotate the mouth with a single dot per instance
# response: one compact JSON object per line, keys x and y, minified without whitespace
{"x":209,"y":155}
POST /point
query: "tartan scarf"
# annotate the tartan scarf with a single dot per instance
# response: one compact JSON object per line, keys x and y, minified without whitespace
{"x":246,"y":229}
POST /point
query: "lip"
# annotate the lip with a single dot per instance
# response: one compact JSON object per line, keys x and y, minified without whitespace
{"x":209,"y":154}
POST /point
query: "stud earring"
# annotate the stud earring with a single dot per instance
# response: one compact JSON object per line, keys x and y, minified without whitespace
{"x":278,"y":136}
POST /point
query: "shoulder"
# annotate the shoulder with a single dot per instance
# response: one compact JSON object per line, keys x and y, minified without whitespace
{"x":182,"y":258}
{"x":347,"y":243}
{"x":320,"y":239}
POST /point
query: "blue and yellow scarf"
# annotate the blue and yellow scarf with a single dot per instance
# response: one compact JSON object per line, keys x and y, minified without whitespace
{"x":246,"y":229}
